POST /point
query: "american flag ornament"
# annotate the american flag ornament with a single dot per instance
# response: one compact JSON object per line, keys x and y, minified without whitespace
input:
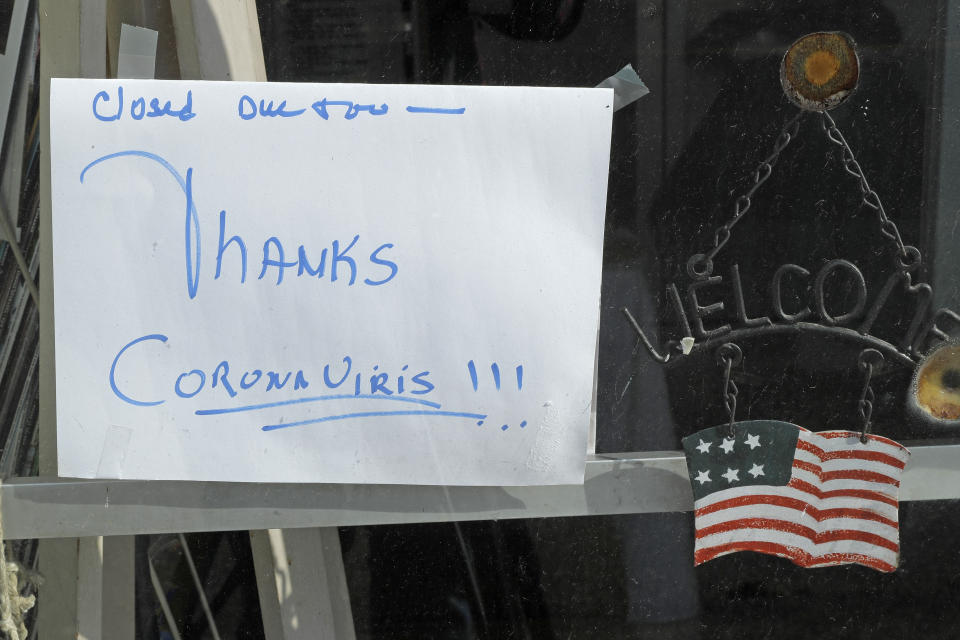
{"x":819,"y":499}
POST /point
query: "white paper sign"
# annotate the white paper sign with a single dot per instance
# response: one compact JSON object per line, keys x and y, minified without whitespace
{"x":326,"y":283}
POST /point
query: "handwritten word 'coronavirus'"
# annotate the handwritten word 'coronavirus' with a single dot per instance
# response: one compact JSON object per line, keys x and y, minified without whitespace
{"x":221,"y":380}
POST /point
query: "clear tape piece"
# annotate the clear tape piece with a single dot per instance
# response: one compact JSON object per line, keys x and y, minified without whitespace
{"x":627,"y":87}
{"x":137,"y":55}
{"x":116,"y":442}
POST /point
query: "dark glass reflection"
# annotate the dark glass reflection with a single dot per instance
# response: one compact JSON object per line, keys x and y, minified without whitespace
{"x":680,"y":157}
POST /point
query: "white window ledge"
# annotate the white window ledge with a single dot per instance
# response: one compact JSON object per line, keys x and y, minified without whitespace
{"x":624,"y":483}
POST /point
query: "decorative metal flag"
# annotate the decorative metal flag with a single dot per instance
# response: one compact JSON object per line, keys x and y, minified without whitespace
{"x":819,"y":499}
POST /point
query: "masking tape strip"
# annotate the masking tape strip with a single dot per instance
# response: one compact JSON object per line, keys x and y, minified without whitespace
{"x":137,"y":55}
{"x":627,"y":87}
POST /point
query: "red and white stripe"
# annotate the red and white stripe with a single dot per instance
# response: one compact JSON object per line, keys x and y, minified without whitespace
{"x":839,"y":507}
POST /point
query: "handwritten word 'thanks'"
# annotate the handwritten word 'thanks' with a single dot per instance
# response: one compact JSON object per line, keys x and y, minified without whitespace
{"x":340,"y":261}
{"x":274,"y":254}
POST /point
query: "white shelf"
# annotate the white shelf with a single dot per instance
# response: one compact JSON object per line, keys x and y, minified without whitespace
{"x":615,"y":484}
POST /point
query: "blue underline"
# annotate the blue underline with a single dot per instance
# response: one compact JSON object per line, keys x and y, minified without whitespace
{"x":436,"y":110}
{"x":374,"y":414}
{"x":281,"y":403}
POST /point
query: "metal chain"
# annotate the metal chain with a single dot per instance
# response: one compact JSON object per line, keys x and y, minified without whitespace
{"x":869,"y":358}
{"x":729,"y":355}
{"x":908,"y":255}
{"x":701,"y":265}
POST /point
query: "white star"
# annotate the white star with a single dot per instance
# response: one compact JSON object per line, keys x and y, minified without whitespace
{"x":702,"y":477}
{"x":731,"y":474}
{"x":756,"y":470}
{"x":704,"y":447}
{"x":753,"y":441}
{"x":727,"y":445}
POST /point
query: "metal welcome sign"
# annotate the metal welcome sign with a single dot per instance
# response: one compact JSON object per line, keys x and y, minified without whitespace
{"x":815,"y":498}
{"x":695,"y":303}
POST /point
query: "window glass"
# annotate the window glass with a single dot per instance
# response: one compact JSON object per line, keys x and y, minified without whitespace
{"x":633,"y":577}
{"x":680,"y":158}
